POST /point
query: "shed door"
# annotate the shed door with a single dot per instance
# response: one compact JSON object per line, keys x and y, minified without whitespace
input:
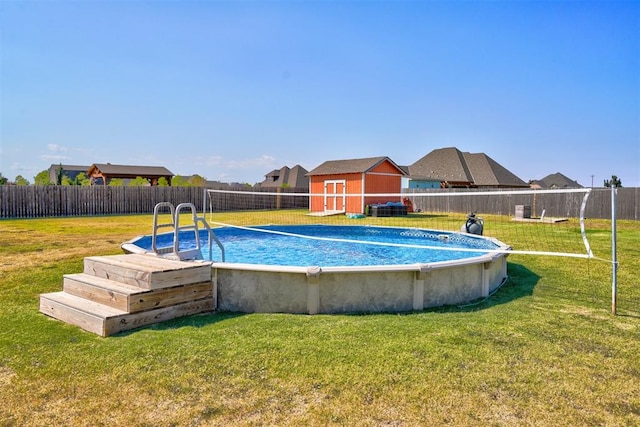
{"x":335,"y":195}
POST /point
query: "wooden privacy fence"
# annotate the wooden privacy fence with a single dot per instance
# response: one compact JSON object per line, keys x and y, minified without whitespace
{"x":553,"y":204}
{"x":51,"y":201}
{"x":251,"y":199}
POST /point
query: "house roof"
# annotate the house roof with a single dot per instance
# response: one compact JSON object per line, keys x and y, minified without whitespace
{"x":298,"y":177}
{"x":74,"y":168}
{"x":217,"y":185}
{"x":334,"y":167}
{"x":294,"y":177}
{"x":275,"y":172}
{"x":442,"y":164}
{"x":109,"y":169}
{"x":487,"y":172}
{"x":557,"y":180}
{"x":453,"y":166}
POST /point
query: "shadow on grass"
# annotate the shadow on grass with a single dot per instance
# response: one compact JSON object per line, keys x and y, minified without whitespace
{"x":194,"y":321}
{"x":632,"y":315}
{"x":520,"y":283}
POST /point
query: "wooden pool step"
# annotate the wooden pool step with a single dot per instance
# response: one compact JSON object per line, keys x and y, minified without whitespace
{"x":147,"y":271}
{"x":104,"y":320}
{"x":122,"y":292}
{"x":131,"y":298}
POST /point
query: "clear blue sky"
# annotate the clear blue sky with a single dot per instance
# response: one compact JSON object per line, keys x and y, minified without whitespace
{"x":233,"y":90}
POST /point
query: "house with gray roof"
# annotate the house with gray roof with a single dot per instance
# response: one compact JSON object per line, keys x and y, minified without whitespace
{"x":555,"y":180}
{"x":287,"y":177}
{"x":70,"y":171}
{"x":451,"y":168}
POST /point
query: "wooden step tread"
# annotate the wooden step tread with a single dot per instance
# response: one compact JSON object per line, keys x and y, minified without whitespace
{"x":81,"y":304}
{"x":147,"y":271}
{"x":104,"y":291}
{"x":105,"y":321}
{"x":147,"y":262}
{"x":130,"y":298}
{"x":107,"y":284}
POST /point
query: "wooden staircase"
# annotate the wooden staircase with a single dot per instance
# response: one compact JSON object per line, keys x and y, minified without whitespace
{"x":121,"y":292}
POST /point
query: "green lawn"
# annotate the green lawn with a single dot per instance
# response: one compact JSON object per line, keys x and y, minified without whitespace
{"x":544,"y":350}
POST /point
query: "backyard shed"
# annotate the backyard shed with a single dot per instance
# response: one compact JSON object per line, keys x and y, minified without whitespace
{"x":339,"y":186}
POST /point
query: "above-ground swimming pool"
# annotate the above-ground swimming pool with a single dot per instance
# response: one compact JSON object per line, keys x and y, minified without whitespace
{"x":398,"y":269}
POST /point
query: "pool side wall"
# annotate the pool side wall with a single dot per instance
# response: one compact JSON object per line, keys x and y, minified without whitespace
{"x":242,"y":288}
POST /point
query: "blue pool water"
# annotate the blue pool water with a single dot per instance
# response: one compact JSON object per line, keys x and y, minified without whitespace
{"x":254,"y":247}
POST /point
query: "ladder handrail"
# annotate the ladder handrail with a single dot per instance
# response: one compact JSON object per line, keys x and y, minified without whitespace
{"x":191,"y":253}
{"x":212,"y":236}
{"x":195,"y":253}
{"x":157,"y":226}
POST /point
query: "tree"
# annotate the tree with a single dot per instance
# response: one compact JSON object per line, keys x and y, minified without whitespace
{"x":3,"y":180}
{"x":139,"y":182}
{"x":197,"y":181}
{"x":42,"y":178}
{"x":613,"y":182}
{"x":81,"y":179}
{"x":116,"y":182}
{"x":20,"y":180}
{"x":163,"y":182}
{"x":59,"y":174}
{"x":179,"y":181}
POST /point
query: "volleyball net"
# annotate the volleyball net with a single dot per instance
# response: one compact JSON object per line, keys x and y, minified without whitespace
{"x":536,"y":222}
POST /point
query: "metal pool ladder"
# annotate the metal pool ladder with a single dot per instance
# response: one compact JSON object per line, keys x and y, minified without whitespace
{"x":174,"y":250}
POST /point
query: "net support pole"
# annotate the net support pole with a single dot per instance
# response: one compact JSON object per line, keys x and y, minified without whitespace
{"x":204,"y":203}
{"x":614,"y":254}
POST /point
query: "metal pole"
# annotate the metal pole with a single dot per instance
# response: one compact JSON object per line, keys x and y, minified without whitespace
{"x":204,"y":204}
{"x":614,"y":255}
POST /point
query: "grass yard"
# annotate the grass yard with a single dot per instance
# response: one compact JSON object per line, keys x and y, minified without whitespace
{"x":544,"y":350}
